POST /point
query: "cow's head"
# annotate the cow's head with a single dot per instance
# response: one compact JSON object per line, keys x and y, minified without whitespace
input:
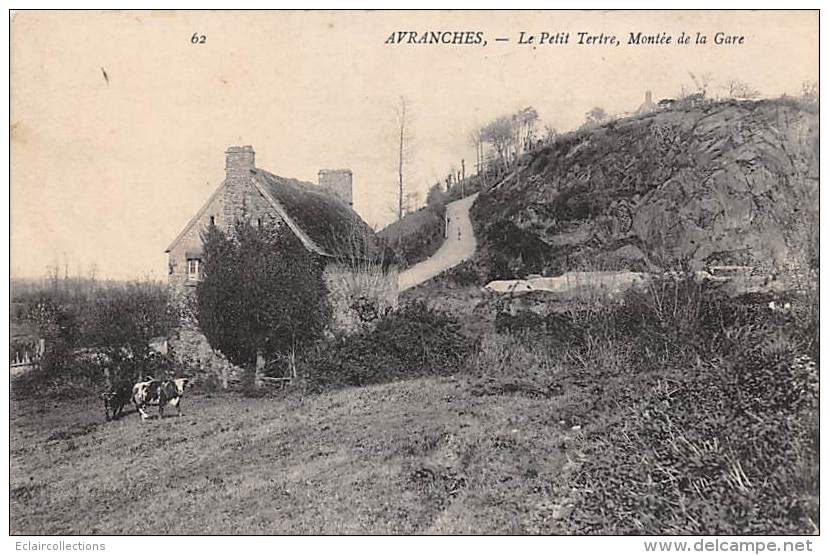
{"x":181,"y":384}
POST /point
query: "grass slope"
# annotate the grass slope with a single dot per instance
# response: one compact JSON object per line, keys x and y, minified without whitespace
{"x":438,"y":455}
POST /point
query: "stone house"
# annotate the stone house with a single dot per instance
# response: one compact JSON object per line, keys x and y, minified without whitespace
{"x":320,"y":216}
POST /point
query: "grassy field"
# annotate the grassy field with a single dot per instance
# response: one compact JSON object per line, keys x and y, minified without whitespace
{"x":438,"y":455}
{"x":677,"y":411}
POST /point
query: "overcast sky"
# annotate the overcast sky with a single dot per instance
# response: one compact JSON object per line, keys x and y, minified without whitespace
{"x":108,"y":173}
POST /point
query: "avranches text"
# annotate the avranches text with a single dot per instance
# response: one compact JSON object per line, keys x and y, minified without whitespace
{"x":553,"y":38}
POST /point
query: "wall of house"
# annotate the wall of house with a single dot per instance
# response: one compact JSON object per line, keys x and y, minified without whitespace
{"x":189,"y":347}
{"x":238,"y":202}
{"x":347,"y":286}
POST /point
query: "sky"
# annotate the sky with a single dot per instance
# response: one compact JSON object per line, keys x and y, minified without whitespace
{"x":105,"y":171}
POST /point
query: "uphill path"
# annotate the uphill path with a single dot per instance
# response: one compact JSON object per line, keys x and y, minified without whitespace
{"x":458,"y":246}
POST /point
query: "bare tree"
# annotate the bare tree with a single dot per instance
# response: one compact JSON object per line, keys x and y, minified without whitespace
{"x":810,"y":90}
{"x":477,"y":141}
{"x":550,"y":134}
{"x":524,"y":129}
{"x":741,"y":89}
{"x":701,"y":83}
{"x":499,"y":133}
{"x":404,"y":135}
{"x":596,"y":116}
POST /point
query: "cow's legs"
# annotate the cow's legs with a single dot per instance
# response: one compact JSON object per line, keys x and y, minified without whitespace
{"x":106,"y":410}
{"x":140,"y":409}
{"x":177,"y":403}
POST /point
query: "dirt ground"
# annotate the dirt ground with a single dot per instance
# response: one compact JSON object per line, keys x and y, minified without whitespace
{"x":447,"y":455}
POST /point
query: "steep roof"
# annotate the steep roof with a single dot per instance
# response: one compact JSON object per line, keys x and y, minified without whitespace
{"x":323,"y":223}
{"x":334,"y":228}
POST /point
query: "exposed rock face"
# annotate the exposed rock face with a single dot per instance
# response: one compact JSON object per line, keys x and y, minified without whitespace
{"x":719,"y":183}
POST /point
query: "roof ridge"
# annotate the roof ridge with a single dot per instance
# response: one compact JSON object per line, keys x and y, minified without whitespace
{"x":294,"y":226}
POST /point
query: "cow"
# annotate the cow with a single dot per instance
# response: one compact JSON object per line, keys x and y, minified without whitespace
{"x":115,"y":399}
{"x":158,"y":393}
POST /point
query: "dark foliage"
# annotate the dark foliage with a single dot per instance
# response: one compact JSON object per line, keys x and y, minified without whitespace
{"x":436,"y":196}
{"x":411,"y":342}
{"x":418,"y":235}
{"x":464,"y":274}
{"x":58,"y":323}
{"x":121,"y":326}
{"x":514,"y":252}
{"x":262,"y":291}
{"x":92,"y":334}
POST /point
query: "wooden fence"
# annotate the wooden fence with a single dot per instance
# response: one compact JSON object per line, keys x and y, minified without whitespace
{"x":28,"y":355}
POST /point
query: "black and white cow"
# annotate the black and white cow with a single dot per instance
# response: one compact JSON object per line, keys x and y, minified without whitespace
{"x":115,"y":399}
{"x":158,"y":393}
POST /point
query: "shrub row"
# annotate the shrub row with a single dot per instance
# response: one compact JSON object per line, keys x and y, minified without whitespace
{"x":412,"y":341}
{"x":701,"y":411}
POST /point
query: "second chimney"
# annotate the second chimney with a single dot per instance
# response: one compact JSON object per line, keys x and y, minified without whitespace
{"x":239,"y":160}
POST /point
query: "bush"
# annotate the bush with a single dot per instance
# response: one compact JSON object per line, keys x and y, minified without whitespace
{"x":121,"y":325}
{"x":262,"y":291}
{"x":411,"y":342}
{"x":418,"y":235}
{"x":464,"y":274}
{"x":514,"y":252}
{"x":58,"y":324}
{"x":722,"y":441}
{"x":100,"y":330}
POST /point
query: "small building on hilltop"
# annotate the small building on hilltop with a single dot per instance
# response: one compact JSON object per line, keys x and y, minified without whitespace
{"x":647,"y":106}
{"x":320,"y":216}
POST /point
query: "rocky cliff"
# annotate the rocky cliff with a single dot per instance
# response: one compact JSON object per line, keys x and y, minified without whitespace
{"x":724,"y":183}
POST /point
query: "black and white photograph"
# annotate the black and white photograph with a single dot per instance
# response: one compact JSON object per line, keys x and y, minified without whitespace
{"x":414,"y":272}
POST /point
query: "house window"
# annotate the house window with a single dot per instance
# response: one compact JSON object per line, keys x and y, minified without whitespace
{"x":212,"y":220}
{"x":193,"y":269}
{"x":259,"y":223}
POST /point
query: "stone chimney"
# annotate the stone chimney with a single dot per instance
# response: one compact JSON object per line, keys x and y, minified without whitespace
{"x":648,"y":97}
{"x":339,"y":182}
{"x":239,"y":160}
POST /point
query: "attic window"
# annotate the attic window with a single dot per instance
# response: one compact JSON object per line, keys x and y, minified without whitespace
{"x":193,"y":269}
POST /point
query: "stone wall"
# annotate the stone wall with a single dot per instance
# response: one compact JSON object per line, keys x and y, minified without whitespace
{"x":189,"y":347}
{"x":356,"y":294}
{"x":237,"y":200}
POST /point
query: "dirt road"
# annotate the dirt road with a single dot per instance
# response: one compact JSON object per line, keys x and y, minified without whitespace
{"x":458,"y":246}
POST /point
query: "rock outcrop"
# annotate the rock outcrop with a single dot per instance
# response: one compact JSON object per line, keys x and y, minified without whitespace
{"x":732,"y":182}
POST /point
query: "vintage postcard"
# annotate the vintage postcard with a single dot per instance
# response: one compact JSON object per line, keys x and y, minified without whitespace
{"x":415,"y":272}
